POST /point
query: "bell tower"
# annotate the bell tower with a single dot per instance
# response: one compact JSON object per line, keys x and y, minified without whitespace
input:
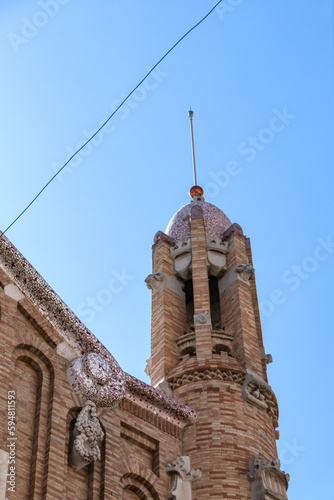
{"x":207,"y":352}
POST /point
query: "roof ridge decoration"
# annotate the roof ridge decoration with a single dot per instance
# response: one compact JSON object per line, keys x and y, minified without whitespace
{"x":96,"y":374}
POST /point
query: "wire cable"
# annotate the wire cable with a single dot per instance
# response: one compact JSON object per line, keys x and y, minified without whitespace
{"x":109,"y":118}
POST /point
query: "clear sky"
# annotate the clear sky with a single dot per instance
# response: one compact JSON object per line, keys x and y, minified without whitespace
{"x":259,"y":77}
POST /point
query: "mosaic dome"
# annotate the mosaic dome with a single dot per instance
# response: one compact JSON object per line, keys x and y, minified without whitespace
{"x":215,"y":221}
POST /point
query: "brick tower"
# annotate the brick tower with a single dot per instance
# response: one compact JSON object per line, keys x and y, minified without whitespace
{"x":207,"y":352}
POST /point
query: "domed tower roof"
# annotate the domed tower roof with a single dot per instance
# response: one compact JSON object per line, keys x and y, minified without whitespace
{"x":215,"y":221}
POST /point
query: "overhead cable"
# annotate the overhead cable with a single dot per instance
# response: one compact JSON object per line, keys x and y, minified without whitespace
{"x":109,"y":118}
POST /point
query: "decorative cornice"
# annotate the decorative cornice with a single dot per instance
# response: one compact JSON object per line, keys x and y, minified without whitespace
{"x":243,"y":378}
{"x":106,"y":384}
{"x":154,"y":397}
{"x":214,"y":374}
{"x":49,"y":304}
{"x":171,"y":426}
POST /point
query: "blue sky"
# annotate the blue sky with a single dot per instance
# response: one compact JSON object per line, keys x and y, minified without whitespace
{"x":259,"y":76}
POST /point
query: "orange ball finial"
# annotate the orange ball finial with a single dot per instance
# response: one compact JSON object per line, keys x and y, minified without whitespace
{"x":196,"y":191}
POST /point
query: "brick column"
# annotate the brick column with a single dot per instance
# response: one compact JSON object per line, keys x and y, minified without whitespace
{"x":237,"y":307}
{"x":200,"y":283}
{"x":168,"y":315}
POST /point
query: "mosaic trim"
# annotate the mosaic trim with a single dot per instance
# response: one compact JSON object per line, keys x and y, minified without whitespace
{"x":215,"y":221}
{"x":86,"y":373}
{"x":151,"y":395}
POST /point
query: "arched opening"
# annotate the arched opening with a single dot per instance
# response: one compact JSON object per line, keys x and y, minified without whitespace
{"x":134,"y":486}
{"x":189,"y":297}
{"x":214,"y":303}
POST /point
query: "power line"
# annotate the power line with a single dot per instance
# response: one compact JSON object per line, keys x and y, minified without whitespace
{"x":109,"y":118}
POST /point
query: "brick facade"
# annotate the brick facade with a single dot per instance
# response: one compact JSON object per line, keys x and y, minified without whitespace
{"x":211,"y":403}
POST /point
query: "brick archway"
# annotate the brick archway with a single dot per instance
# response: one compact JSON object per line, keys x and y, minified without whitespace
{"x":134,"y":486}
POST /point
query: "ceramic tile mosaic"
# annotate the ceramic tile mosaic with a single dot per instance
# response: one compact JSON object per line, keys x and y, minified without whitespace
{"x":95,"y":373}
{"x":215,"y":221}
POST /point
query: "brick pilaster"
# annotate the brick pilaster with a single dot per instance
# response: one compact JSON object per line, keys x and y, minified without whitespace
{"x":168,"y":316}
{"x":200,"y":283}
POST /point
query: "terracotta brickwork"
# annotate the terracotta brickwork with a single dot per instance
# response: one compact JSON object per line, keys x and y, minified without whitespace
{"x":168,"y":325}
{"x":200,"y":286}
{"x":168,"y":317}
{"x":236,"y":409}
{"x":226,"y":434}
{"x":237,"y":306}
{"x":256,"y":308}
{"x":84,"y":429}
{"x":137,"y":444}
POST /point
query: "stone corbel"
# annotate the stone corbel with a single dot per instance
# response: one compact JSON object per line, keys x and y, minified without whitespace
{"x":216,"y":256}
{"x":182,"y":477}
{"x":158,"y":280}
{"x":181,"y":254}
{"x":268,"y":481}
{"x":155,"y":281}
{"x":85,"y":438}
{"x":266,"y":357}
{"x":147,"y":369}
{"x":254,"y":390}
{"x":245,"y":272}
{"x":179,"y":248}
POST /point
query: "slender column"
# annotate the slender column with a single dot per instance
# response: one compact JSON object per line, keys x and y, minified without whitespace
{"x":202,"y":318}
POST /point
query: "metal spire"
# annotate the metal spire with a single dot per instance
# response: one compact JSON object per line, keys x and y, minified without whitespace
{"x":196,"y":192}
{"x":191,"y":114}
